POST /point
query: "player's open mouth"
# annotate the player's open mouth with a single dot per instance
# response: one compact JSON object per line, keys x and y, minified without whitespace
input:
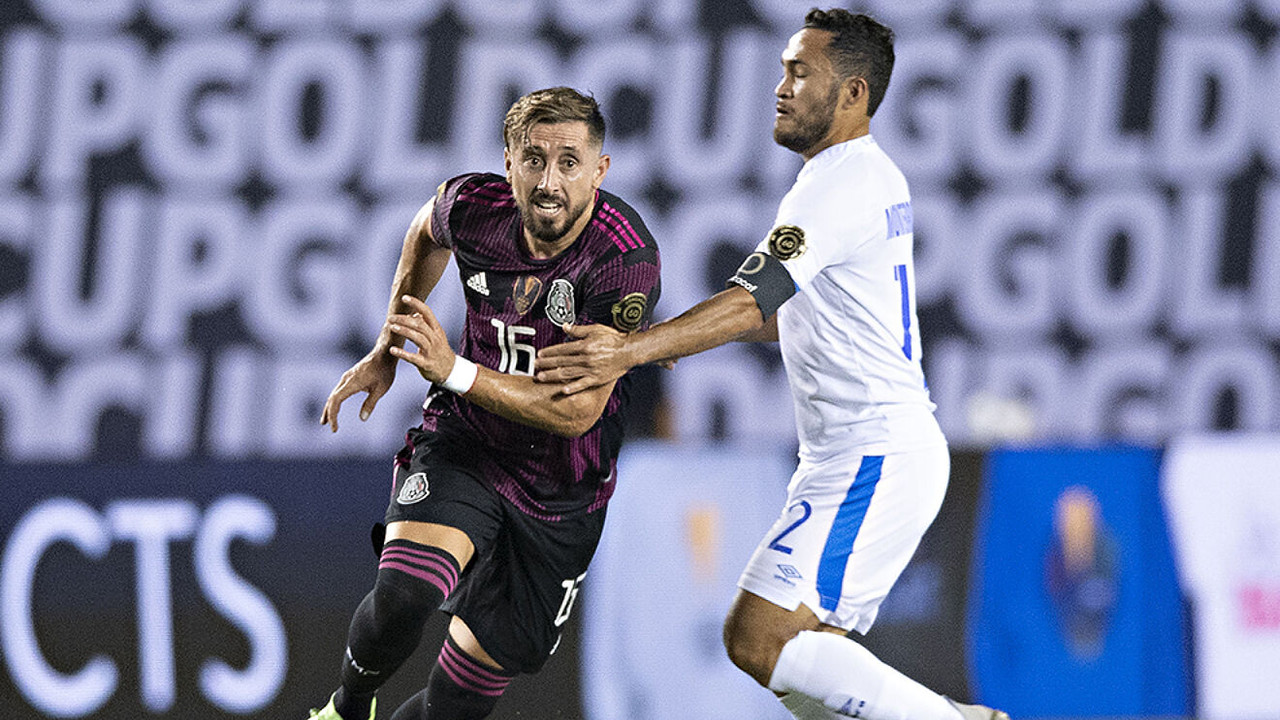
{"x":547,"y":208}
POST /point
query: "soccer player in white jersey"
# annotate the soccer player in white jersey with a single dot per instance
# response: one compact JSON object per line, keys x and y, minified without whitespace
{"x":833,"y":282}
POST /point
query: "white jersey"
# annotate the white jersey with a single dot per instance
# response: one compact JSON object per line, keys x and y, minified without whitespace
{"x":849,"y":336}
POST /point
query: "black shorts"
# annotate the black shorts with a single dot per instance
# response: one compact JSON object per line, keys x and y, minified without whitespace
{"x":520,"y":585}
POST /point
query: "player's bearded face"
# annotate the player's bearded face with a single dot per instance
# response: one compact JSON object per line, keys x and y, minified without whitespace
{"x":807,"y":121}
{"x":553,"y":178}
{"x":548,"y":216}
{"x":807,"y":94}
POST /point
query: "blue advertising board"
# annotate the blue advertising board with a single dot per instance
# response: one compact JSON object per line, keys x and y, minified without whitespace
{"x":1075,"y":608}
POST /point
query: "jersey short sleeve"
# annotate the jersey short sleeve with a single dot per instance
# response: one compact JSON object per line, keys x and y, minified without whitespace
{"x":446,"y":198}
{"x":815,"y":228}
{"x":623,"y":288}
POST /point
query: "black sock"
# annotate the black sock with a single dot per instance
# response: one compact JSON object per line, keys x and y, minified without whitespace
{"x":460,"y":688}
{"x":412,"y":581}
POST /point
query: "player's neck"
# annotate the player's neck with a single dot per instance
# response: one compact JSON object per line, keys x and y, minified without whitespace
{"x":840,"y":132}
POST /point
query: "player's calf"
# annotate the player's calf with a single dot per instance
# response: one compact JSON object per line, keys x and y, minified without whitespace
{"x":460,"y":686}
{"x":756,"y":630}
{"x":413,"y":580}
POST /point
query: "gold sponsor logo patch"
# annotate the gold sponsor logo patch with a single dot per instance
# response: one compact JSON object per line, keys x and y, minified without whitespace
{"x":525,"y":292}
{"x":786,"y":242}
{"x":629,"y":312}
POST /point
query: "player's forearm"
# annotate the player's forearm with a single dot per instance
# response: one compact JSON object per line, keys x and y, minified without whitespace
{"x":711,"y":323}
{"x":520,"y":399}
{"x":768,"y":332}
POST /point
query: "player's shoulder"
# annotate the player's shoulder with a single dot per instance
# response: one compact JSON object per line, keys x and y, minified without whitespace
{"x":859,"y":162}
{"x":620,"y":228}
{"x":467,"y":208}
{"x":478,"y":188}
{"x":860,"y":180}
{"x":874,"y":169}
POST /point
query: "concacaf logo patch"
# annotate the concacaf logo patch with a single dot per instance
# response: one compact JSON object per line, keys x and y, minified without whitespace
{"x":628,"y":312}
{"x":786,"y":242}
{"x":414,"y":489}
{"x":560,"y":301}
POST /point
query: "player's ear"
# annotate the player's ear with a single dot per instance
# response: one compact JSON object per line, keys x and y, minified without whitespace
{"x":506,"y":162}
{"x":602,"y":169}
{"x":854,"y":90}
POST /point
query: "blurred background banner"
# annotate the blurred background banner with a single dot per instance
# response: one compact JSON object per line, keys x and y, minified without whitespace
{"x":1223,"y":496}
{"x":180,"y":589}
{"x":201,"y":206}
{"x":1075,"y":608}
{"x":680,"y":530}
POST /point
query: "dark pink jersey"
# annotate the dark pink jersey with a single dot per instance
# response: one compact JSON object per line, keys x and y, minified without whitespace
{"x":515,"y":306}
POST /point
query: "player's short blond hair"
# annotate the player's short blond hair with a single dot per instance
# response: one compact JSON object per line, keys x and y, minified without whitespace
{"x":552,"y":105}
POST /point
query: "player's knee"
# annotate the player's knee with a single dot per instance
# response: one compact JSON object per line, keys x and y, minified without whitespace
{"x":398,"y":603}
{"x":752,"y":651}
{"x":394,"y":605}
{"x":413,"y":580}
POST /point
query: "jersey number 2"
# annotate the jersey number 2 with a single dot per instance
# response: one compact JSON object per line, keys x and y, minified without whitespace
{"x":806,"y":510}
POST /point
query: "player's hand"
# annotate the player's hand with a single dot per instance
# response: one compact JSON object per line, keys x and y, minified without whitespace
{"x":596,"y":356}
{"x":373,"y":375}
{"x":434,"y":358}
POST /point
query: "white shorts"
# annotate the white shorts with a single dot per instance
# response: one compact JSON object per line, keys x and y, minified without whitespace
{"x":847,"y":532}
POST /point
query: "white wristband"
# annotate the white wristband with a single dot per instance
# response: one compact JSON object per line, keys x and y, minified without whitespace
{"x":461,"y":377}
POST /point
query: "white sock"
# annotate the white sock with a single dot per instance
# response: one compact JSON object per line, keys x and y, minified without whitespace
{"x":803,"y":707}
{"x":848,"y":679}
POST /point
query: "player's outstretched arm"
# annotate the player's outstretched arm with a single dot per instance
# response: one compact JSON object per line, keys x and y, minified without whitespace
{"x":421,"y":263}
{"x":514,"y":397}
{"x":768,"y":332}
{"x":601,"y":354}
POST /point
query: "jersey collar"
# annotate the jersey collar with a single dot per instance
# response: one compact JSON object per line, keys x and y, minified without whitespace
{"x":836,"y":153}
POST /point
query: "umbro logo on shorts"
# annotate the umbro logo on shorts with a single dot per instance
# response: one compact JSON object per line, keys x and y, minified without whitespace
{"x":414,"y":489}
{"x":788,"y":574}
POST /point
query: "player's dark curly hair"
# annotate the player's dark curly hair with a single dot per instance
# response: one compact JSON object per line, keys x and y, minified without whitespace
{"x":553,"y":105}
{"x":860,"y":47}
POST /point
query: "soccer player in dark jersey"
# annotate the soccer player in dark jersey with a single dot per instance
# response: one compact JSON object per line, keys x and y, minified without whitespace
{"x":499,"y":496}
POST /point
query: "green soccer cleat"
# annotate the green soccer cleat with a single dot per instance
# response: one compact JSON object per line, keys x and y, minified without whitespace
{"x":331,"y":713}
{"x":976,"y":712}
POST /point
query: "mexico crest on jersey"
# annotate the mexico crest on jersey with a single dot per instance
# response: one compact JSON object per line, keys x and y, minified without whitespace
{"x":786,"y":242}
{"x":414,"y":489}
{"x":560,"y":301}
{"x":525,"y":292}
{"x":629,"y":311}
